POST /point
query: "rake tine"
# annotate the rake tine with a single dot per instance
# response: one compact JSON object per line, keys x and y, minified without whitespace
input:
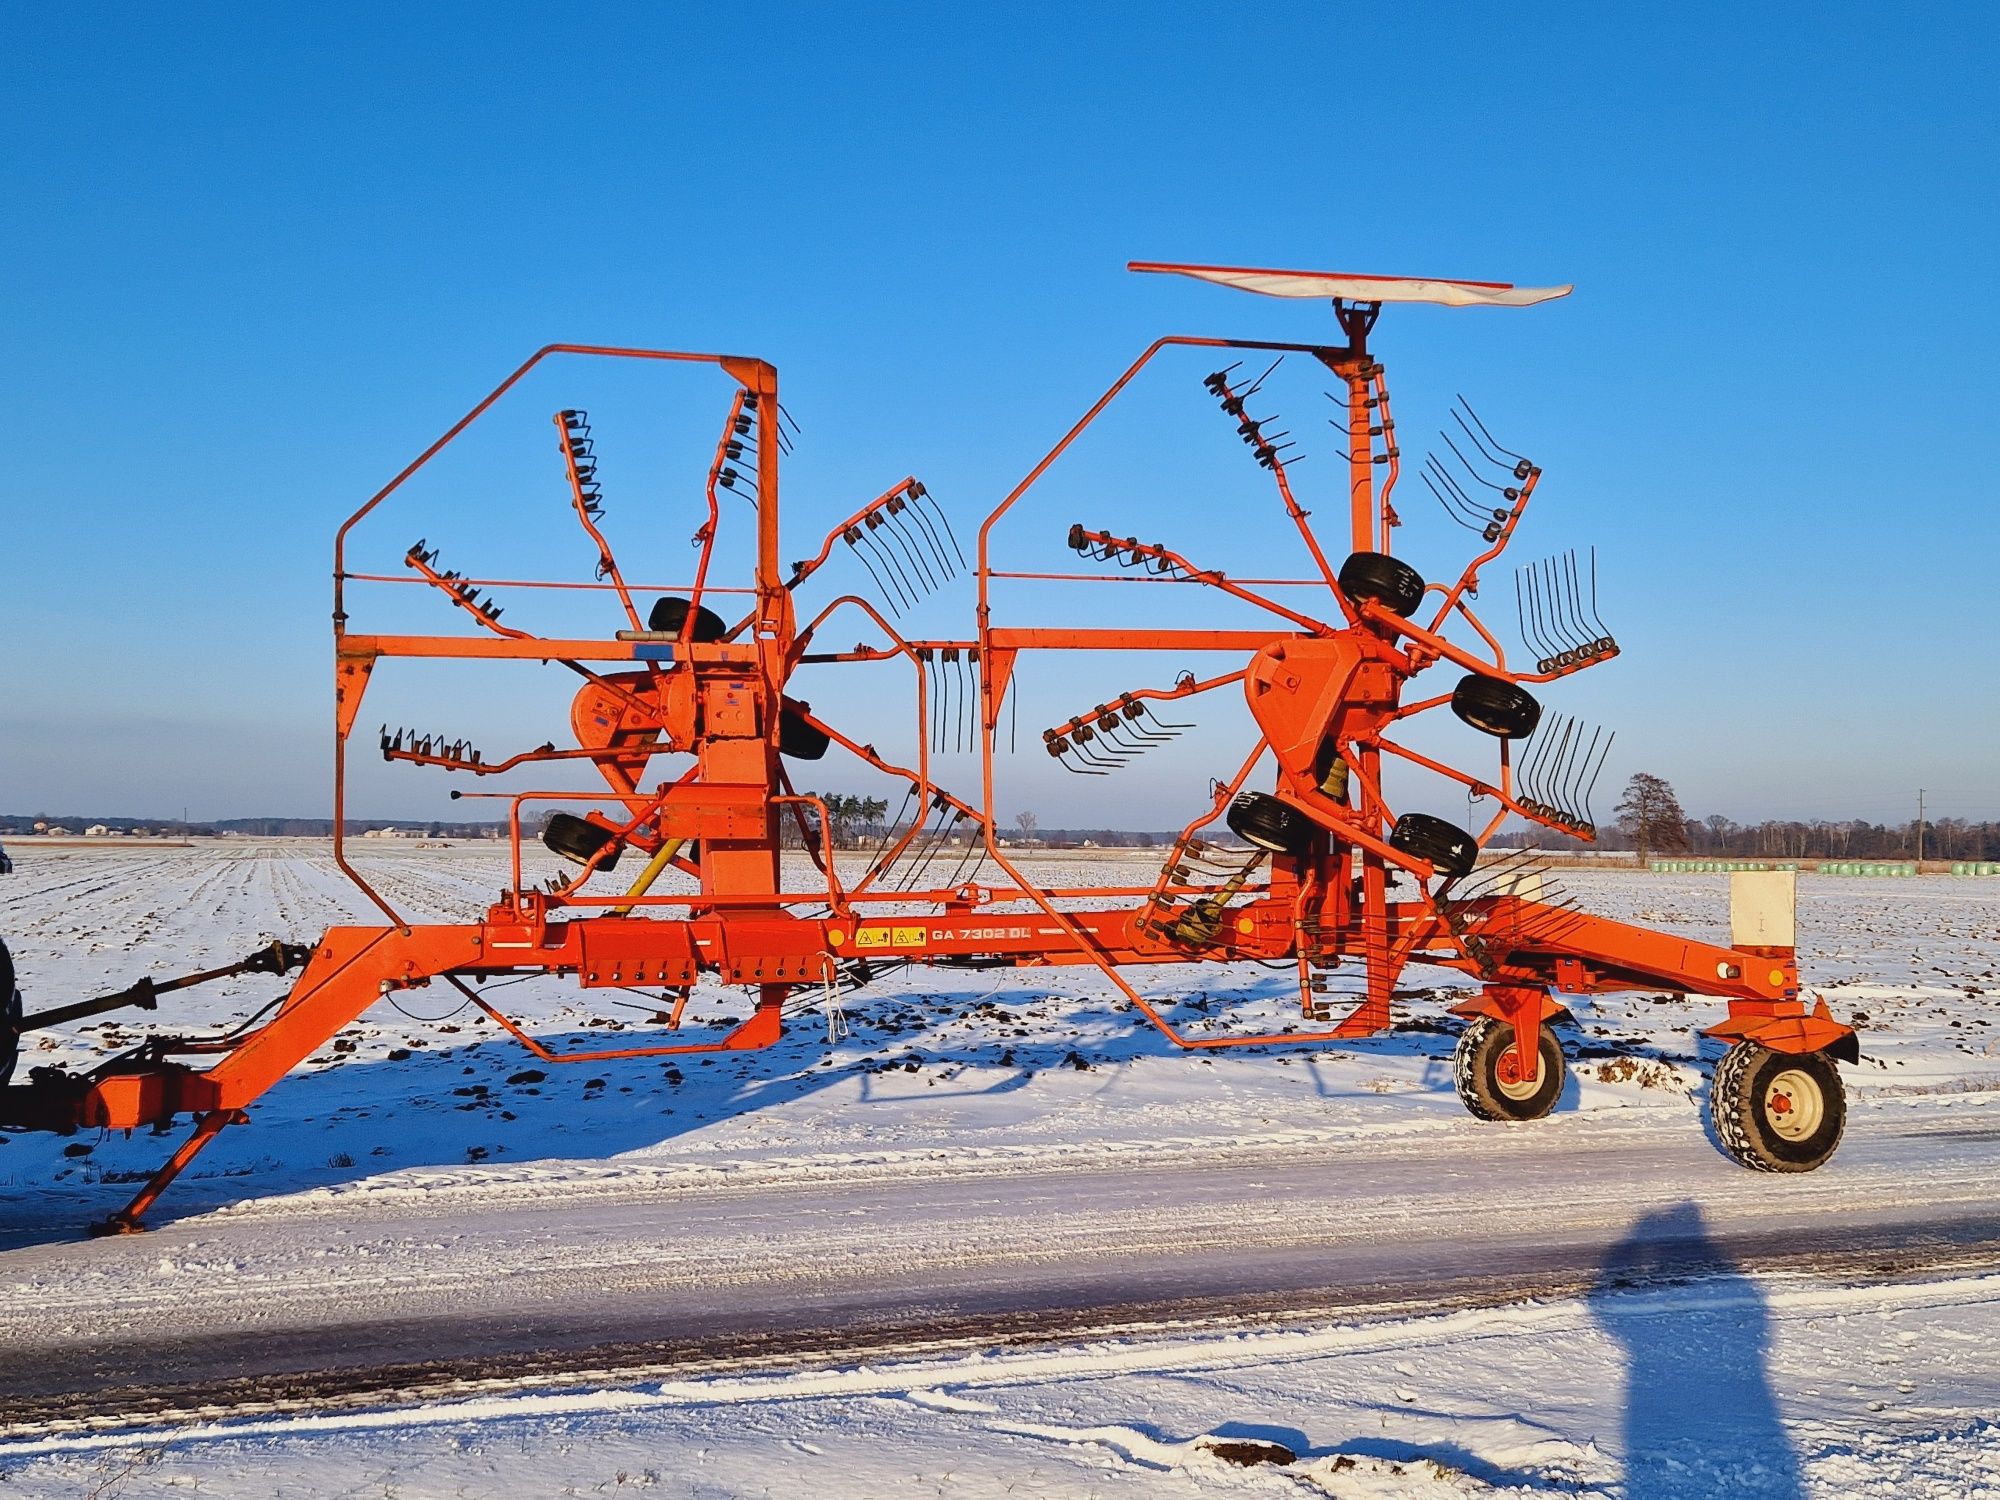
{"x":1588,"y":816}
{"x":868,"y":529}
{"x":1465,"y":502}
{"x":1551,"y":643}
{"x":1474,"y":439}
{"x":1258,"y":384}
{"x":942,"y":701}
{"x":1573,"y":599}
{"x":965,"y":687}
{"x":1523,"y":603}
{"x":944,"y":563}
{"x":1478,"y":478}
{"x":893,"y":528}
{"x":1573,"y":783}
{"x":1603,"y":635}
{"x":853,"y":545}
{"x":1438,"y":495}
{"x":1153,"y":714}
{"x":920,"y":493}
{"x":1556,"y":622}
{"x":1489,"y":436}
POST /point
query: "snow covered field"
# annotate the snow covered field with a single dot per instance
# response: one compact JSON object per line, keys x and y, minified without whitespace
{"x":418,"y":1146}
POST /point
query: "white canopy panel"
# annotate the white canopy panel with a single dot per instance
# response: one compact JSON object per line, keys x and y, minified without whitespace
{"x":1330,"y":284}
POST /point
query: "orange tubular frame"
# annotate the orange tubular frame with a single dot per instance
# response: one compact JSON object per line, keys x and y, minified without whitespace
{"x":722,"y":701}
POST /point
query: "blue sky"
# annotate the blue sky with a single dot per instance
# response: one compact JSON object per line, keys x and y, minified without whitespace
{"x":258,"y":257}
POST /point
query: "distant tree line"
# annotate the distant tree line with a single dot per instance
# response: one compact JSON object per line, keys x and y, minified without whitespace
{"x":1650,"y":821}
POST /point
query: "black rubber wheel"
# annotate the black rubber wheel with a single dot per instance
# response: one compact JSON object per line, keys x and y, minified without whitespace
{"x":1387,"y":580}
{"x":1264,"y":821}
{"x":10,"y":1017}
{"x":577,"y":839}
{"x":671,"y":613}
{"x":1451,"y":851}
{"x":798,"y":737}
{"x":1500,"y":708}
{"x":1487,"y":1072}
{"x":1777,"y":1111}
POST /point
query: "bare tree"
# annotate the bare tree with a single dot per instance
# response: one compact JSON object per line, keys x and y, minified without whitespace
{"x":1650,"y":815}
{"x":1027,"y":822}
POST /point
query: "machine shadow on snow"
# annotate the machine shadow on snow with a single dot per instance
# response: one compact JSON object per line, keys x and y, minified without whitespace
{"x":1700,"y":1415}
{"x":443,"y":1106}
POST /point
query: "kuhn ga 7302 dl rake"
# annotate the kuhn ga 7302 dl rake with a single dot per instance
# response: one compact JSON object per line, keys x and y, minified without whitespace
{"x":1297,"y":872}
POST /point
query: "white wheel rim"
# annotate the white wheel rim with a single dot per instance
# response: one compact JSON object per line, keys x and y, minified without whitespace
{"x":1518,"y":1088}
{"x":1794,"y":1104}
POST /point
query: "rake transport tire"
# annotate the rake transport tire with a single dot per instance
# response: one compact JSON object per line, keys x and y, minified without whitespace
{"x":1487,"y":1072}
{"x":1777,"y":1111}
{"x":1502,"y":709}
{"x":1449,"y":849}
{"x":1264,"y":821}
{"x":799,"y":737}
{"x":577,"y":839}
{"x":671,"y":613}
{"x":10,"y":1017}
{"x":1389,"y":581}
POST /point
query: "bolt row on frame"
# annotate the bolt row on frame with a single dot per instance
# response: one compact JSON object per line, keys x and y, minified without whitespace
{"x":1297,"y":858}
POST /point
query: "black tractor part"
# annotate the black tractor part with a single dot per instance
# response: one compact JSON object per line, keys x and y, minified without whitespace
{"x":1449,"y":849}
{"x":798,"y":736}
{"x":10,"y":1017}
{"x":1389,"y":581}
{"x":671,"y":613}
{"x":1262,"y":820}
{"x":578,"y":839}
{"x":1491,"y":706}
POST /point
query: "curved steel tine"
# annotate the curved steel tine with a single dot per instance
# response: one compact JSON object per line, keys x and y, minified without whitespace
{"x":1154,"y":715}
{"x":1545,"y":640}
{"x":888,"y":563}
{"x":880,"y":587}
{"x":1476,"y":475}
{"x":1588,"y":816}
{"x":894,"y":526}
{"x":1474,"y":439}
{"x":939,"y":693}
{"x":1518,"y":458}
{"x":1546,"y":769}
{"x":1595,"y":618}
{"x":1433,"y":465}
{"x":1565,"y":571}
{"x":1573,"y":786}
{"x":943,"y":520}
{"x":1521,"y":614}
{"x":967,"y":686}
{"x":1258,"y":384}
{"x":1555,"y":610}
{"x":937,"y":548}
{"x":1438,"y":495}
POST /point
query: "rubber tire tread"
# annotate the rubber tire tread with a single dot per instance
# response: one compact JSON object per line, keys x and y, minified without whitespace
{"x":10,"y":1017}
{"x":577,"y":839}
{"x":1733,"y":1092}
{"x":1261,"y":819}
{"x":1389,"y":581}
{"x":1509,"y":705}
{"x":1475,"y":1069}
{"x":798,"y":737}
{"x":670,"y":614}
{"x":1451,"y":850}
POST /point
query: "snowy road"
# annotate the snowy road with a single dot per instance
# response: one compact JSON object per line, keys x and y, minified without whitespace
{"x":478,"y":1280}
{"x":996,"y":1239}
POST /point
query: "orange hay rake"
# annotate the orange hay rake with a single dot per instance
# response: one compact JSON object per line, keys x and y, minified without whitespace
{"x":1292,"y":861}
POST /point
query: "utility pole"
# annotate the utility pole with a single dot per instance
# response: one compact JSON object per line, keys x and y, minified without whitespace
{"x":1920,"y":825}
